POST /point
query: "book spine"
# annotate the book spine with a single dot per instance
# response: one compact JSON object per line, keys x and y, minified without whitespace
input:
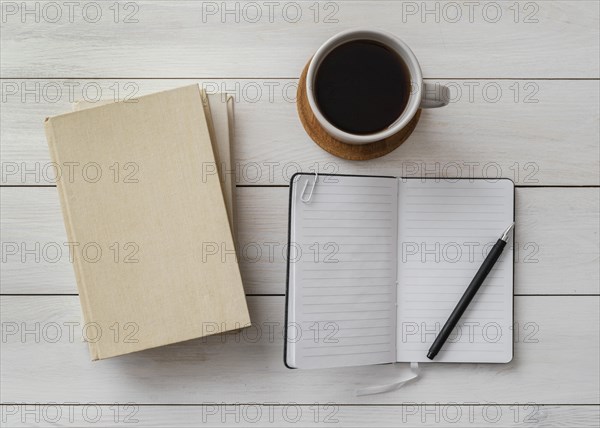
{"x":71,"y":236}
{"x":231,"y":165}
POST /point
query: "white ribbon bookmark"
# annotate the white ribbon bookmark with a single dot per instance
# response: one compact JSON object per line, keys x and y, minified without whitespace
{"x":379,"y":389}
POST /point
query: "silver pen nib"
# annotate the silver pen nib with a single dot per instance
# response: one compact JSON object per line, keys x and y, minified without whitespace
{"x":504,"y":236}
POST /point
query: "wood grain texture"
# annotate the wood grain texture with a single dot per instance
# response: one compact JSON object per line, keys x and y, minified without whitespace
{"x":248,"y":367}
{"x":538,"y":132}
{"x":533,"y":132}
{"x":549,"y":259}
{"x":294,"y":415}
{"x":557,"y":39}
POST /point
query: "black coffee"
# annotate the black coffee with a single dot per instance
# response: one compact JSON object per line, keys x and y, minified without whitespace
{"x":362,"y":87}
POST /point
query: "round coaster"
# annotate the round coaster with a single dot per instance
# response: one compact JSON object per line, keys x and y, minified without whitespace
{"x":338,"y":148}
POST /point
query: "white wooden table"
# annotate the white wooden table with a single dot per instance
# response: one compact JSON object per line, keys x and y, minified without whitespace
{"x":524,"y":78}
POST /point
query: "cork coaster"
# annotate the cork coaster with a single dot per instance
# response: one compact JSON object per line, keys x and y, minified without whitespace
{"x":338,"y":148}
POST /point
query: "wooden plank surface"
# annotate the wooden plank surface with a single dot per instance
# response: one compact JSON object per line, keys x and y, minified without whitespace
{"x":549,"y":39}
{"x":535,"y":132}
{"x":290,"y":415}
{"x":549,"y":260}
{"x":54,"y":365}
{"x":525,"y":105}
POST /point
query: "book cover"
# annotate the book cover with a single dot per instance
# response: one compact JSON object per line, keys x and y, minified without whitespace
{"x":150,"y":237}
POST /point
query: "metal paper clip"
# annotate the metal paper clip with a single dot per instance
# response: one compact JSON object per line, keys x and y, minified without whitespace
{"x":303,"y":197}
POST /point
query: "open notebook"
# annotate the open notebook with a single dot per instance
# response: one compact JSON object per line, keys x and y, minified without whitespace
{"x":376,"y":265}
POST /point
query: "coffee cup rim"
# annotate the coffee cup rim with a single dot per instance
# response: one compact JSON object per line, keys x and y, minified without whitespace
{"x":391,"y":41}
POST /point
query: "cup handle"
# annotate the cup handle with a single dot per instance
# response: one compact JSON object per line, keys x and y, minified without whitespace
{"x":434,"y":95}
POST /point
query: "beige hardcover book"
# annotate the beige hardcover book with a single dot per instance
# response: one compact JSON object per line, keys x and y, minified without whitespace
{"x":218,"y":109}
{"x":233,"y":168}
{"x":151,"y":243}
{"x":222,"y":119}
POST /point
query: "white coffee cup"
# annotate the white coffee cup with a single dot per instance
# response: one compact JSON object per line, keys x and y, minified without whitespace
{"x":422,"y":95}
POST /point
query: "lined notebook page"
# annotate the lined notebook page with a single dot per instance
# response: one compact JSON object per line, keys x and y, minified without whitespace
{"x":445,"y":232}
{"x":342,"y":284}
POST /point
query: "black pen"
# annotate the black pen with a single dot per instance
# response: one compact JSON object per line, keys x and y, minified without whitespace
{"x":464,"y":301}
